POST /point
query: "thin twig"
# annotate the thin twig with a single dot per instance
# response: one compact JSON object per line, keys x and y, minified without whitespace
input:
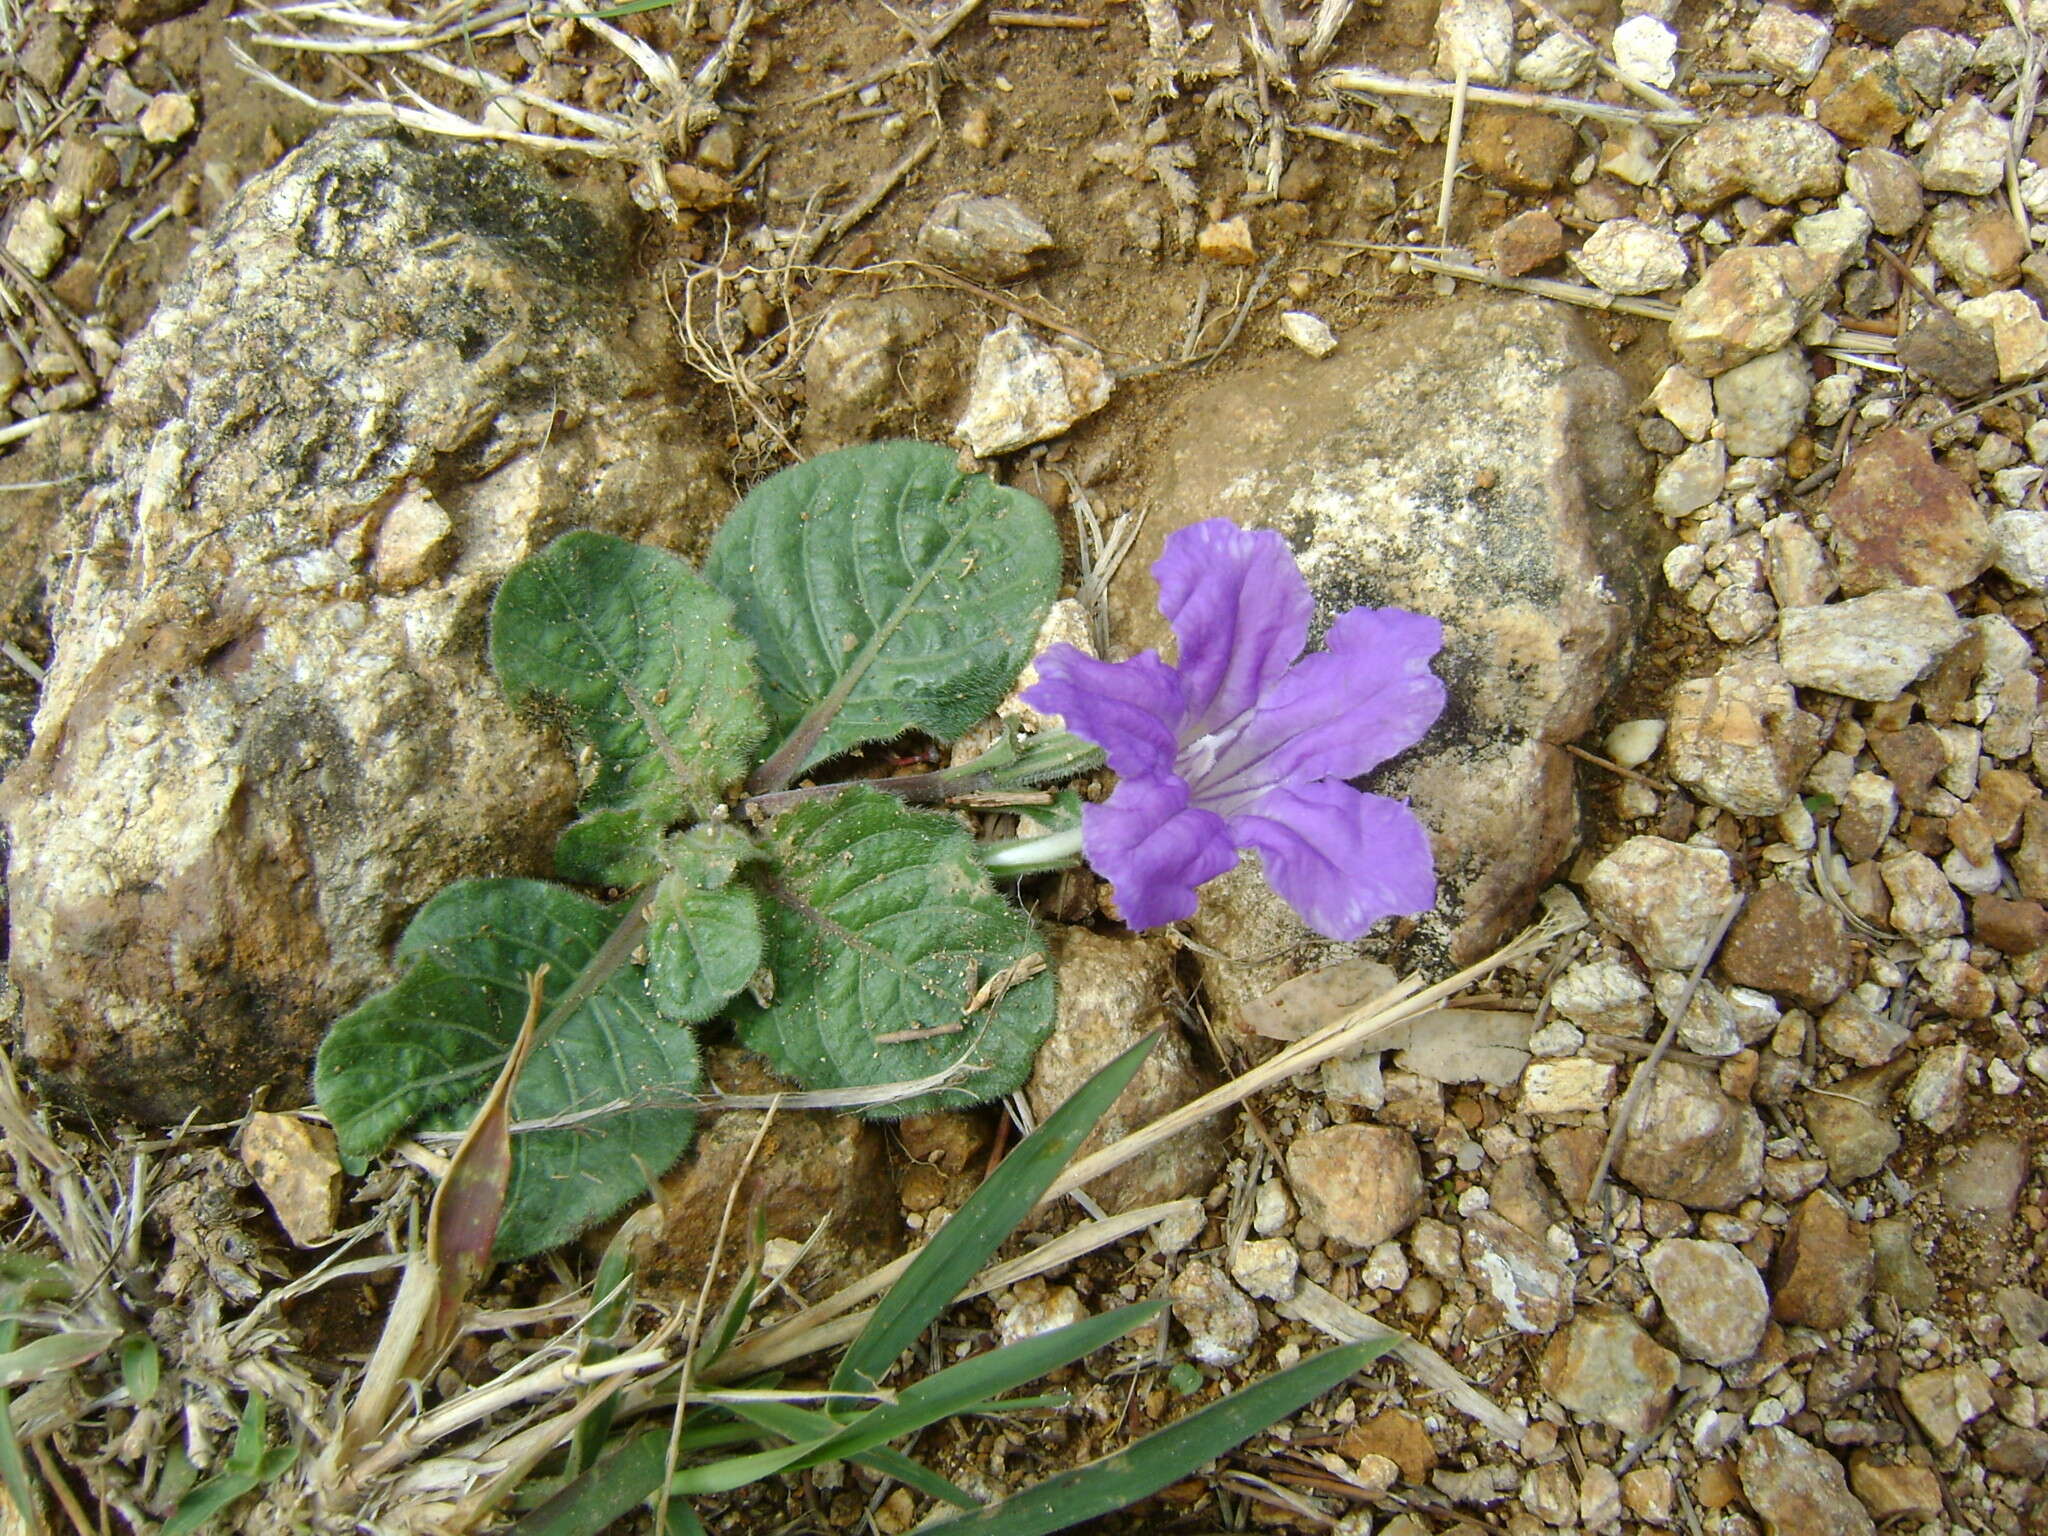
{"x":878,"y":189}
{"x":1454,"y":142}
{"x":1548,"y":288}
{"x":1373,"y":82}
{"x":1647,"y":1072}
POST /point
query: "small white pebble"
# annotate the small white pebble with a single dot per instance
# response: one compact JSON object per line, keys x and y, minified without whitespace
{"x":1310,"y":332}
{"x":2003,"y":1080}
{"x":1634,"y":742}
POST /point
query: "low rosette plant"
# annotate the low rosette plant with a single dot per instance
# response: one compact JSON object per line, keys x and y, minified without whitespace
{"x":852,"y":938}
{"x":847,"y":935}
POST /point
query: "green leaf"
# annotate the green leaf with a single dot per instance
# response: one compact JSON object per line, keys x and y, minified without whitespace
{"x":249,"y":1467}
{"x":945,"y":1265}
{"x":141,"y":1368}
{"x":880,"y":923}
{"x":886,"y":592}
{"x":612,"y":848}
{"x":638,"y":656}
{"x":424,"y":1052}
{"x":1119,"y":1480}
{"x":54,"y":1354}
{"x":704,"y":932}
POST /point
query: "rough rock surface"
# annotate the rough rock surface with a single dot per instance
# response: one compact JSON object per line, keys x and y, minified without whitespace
{"x":1602,"y":1366}
{"x":1361,"y":1183}
{"x":1712,"y":1296}
{"x":253,"y":762}
{"x":1799,"y":1489}
{"x":1691,"y":1143}
{"x":1113,"y":991}
{"x":1475,"y":463}
{"x":1902,"y":520}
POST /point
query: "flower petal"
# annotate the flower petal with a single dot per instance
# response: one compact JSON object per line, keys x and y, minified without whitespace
{"x":1131,"y":709}
{"x":1339,"y":713}
{"x":1340,"y":858}
{"x":1239,"y":604}
{"x":1155,"y":848}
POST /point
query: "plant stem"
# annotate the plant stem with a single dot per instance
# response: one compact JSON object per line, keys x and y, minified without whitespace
{"x":1034,"y":855}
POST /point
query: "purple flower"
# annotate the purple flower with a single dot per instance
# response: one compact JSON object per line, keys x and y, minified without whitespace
{"x":1247,"y":743}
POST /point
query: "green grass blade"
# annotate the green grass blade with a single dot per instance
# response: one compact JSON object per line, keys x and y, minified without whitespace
{"x":794,"y":1423}
{"x":969,"y":1385}
{"x":612,"y":1295}
{"x":14,"y":1472}
{"x":199,"y":1506}
{"x":951,"y":1259}
{"x":608,"y":1492}
{"x":1121,"y":1479}
{"x":141,"y":1368}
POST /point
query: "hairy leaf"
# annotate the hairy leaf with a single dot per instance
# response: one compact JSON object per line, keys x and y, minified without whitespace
{"x":886,"y":591}
{"x":425,"y":1051}
{"x":881,"y":925}
{"x":704,"y":930}
{"x":638,"y":656}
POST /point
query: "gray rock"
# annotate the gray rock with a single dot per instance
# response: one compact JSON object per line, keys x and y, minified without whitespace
{"x":1982,"y":1186}
{"x":1871,"y":647}
{"x":1852,"y":1028}
{"x":1531,"y":1288}
{"x":1798,"y":1489}
{"x":872,"y":365}
{"x":1762,"y":403}
{"x":1930,"y":62}
{"x":1965,"y":150}
{"x":1944,"y":1401}
{"x":1608,"y":995}
{"x":1478,"y":464}
{"x":1114,"y":990}
{"x":1477,"y":36}
{"x":1557,"y":63}
{"x":1934,"y":1093}
{"x":1739,"y":739}
{"x":1924,"y":905}
{"x":1693,"y":479}
{"x":1752,"y":300}
{"x":1712,"y":1296}
{"x":2022,"y":539}
{"x":1887,"y":187}
{"x":1852,"y":1125}
{"x":1692,"y":1143}
{"x":1362,"y":1184}
{"x":1779,"y":159}
{"x":1788,"y":43}
{"x":1602,"y":1366}
{"x":252,"y":762}
{"x":1629,"y":256}
{"x":1978,"y":245}
{"x":1025,"y":390}
{"x":1222,"y":1325}
{"x":1902,"y":1273}
{"x":1267,"y":1267}
{"x":990,"y":239}
{"x":1665,"y":898}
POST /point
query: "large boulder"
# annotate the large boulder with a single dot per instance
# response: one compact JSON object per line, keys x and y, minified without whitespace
{"x":394,"y":368}
{"x":1474,"y":462}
